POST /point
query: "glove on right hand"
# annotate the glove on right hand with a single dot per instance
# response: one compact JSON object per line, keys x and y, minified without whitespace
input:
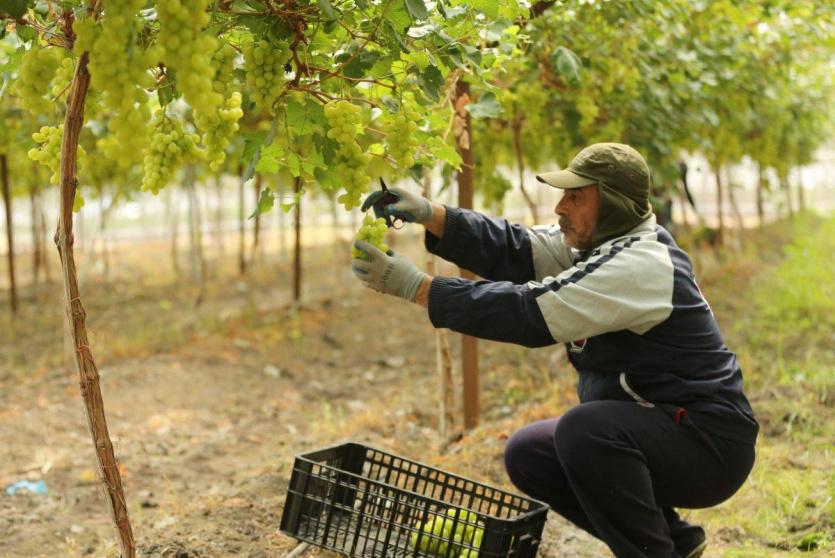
{"x":412,"y":207}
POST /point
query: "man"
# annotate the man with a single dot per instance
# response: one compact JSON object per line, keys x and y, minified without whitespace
{"x":662,"y":421}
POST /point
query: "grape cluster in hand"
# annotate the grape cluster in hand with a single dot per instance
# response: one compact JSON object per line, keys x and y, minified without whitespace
{"x":372,"y":231}
{"x":345,"y":121}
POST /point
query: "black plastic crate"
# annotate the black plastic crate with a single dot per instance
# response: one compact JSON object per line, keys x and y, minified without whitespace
{"x":363,"y":502}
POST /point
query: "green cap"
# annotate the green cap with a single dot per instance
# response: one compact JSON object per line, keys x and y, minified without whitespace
{"x":614,"y":164}
{"x":623,"y":179}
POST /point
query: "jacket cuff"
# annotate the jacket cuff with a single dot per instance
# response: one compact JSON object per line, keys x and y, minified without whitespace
{"x":448,"y":244}
{"x":438,"y":291}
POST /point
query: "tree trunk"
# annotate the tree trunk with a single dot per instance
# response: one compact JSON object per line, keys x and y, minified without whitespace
{"x":740,"y":222}
{"x":76,"y":316}
{"x":241,"y":225}
{"x":282,"y":224}
{"x":36,"y":237}
{"x":43,"y":238}
{"x":760,"y":187}
{"x":520,"y":163}
{"x":443,"y":357}
{"x":105,"y":253}
{"x":801,"y":197}
{"x":720,"y":202}
{"x":257,"y":228}
{"x":221,"y":246}
{"x":297,"y":251}
{"x":784,"y":184}
{"x":7,"y":199}
{"x":469,"y":346}
{"x":198,"y":260}
{"x":174,"y":218}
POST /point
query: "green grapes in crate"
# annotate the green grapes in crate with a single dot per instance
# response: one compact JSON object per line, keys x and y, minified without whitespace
{"x":437,"y":534}
{"x":372,"y":231}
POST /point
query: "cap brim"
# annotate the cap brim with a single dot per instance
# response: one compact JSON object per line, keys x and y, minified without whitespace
{"x":564,"y":179}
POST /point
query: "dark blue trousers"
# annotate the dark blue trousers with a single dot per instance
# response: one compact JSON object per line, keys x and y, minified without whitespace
{"x":617,"y":469}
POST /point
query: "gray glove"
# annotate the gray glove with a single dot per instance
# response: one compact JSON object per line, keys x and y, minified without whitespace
{"x":387,"y":273}
{"x":411,"y":206}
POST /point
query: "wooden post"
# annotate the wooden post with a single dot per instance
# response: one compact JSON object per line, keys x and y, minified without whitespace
{"x":720,"y":227}
{"x":443,"y":358}
{"x":241,"y":224}
{"x":469,"y":345}
{"x":257,"y":229}
{"x":7,"y":198}
{"x":297,"y":252}
{"x":76,"y":315}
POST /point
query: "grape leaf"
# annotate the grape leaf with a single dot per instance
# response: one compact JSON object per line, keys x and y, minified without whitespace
{"x":417,"y":10}
{"x":265,"y":203}
{"x":567,"y":64}
{"x":485,"y":107}
{"x":431,"y":82}
{"x":14,"y":8}
{"x":327,"y":8}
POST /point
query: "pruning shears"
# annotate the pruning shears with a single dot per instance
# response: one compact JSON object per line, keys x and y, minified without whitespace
{"x":379,"y":201}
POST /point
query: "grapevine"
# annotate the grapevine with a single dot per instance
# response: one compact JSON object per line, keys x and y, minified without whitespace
{"x":170,"y":146}
{"x":372,"y":231}
{"x":265,"y":70}
{"x":351,"y":163}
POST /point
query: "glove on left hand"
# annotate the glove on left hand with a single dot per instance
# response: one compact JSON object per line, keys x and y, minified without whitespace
{"x":387,"y":273}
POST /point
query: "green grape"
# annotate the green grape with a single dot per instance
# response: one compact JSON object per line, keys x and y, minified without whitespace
{"x":217,"y":138}
{"x":401,"y":137}
{"x":170,"y":147}
{"x":48,"y":153}
{"x":37,"y":68}
{"x":351,"y":164}
{"x":62,"y":78}
{"x":119,"y":69}
{"x":372,"y":231}
{"x":264,"y":62}
{"x":221,"y":125}
{"x":189,"y":50}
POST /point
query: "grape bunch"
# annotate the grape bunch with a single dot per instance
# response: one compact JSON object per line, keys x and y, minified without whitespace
{"x":372,"y":231}
{"x":345,"y":121}
{"x":48,"y":153}
{"x":170,"y":147}
{"x":435,"y":535}
{"x":37,"y":68}
{"x":265,"y":70}
{"x":401,"y":137}
{"x":223,"y":124}
{"x":119,"y":69}
{"x":62,"y":78}
{"x":189,"y":50}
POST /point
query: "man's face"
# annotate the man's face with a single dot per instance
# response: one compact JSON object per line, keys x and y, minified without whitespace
{"x":577,"y":210}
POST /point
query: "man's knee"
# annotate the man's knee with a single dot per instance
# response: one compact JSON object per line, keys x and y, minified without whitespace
{"x":516,"y":455}
{"x":579,"y":435}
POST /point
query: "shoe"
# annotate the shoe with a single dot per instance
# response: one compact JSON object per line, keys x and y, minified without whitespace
{"x":697,"y":551}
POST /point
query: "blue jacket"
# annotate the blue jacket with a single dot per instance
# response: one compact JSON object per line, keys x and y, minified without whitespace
{"x":634,"y":322}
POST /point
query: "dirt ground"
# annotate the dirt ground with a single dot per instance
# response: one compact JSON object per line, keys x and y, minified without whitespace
{"x":207,"y":407}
